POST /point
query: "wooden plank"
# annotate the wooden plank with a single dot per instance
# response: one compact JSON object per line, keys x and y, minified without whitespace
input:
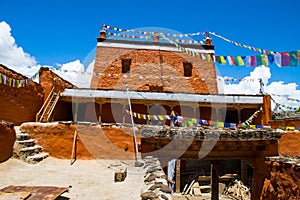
{"x":37,"y":192}
{"x":14,"y":195}
{"x":189,"y":188}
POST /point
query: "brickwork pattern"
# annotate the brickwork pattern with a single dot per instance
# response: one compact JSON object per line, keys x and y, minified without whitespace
{"x":156,"y":63}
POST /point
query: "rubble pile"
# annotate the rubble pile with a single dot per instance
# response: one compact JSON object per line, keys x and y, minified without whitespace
{"x":237,"y":190}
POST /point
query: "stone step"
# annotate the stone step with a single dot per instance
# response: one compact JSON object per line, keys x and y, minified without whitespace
{"x":37,"y":157}
{"x":22,"y":136}
{"x":17,"y":129}
{"x":26,"y":143}
{"x":29,"y":151}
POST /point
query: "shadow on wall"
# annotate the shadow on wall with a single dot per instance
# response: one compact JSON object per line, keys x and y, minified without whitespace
{"x":7,"y":140}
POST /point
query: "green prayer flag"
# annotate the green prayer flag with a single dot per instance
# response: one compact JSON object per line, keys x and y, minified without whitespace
{"x":259,"y":60}
{"x":293,"y":58}
{"x":9,"y":81}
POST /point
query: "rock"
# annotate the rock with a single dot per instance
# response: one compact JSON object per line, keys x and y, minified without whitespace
{"x":149,"y":196}
{"x":164,"y":197}
{"x":165,"y":189}
{"x":150,"y":178}
{"x":120,"y":175}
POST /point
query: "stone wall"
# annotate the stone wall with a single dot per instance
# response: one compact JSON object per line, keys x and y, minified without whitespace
{"x":19,"y":105}
{"x":155,"y":182}
{"x":153,"y":63}
{"x":7,"y":140}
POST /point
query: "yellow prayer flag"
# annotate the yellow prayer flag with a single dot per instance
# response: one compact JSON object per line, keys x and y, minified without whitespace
{"x":194,"y":120}
{"x":253,"y":126}
{"x":222,"y":60}
{"x":240,"y":61}
{"x":265,"y":60}
{"x":290,"y":128}
{"x":220,"y":124}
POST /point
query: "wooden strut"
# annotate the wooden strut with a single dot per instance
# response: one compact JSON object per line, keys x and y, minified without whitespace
{"x":74,"y":148}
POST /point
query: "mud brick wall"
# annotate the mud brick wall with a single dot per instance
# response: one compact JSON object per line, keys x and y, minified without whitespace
{"x":19,"y":105}
{"x":49,"y":79}
{"x":161,"y":65}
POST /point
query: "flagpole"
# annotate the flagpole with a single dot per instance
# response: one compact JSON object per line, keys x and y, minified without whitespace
{"x":137,"y":163}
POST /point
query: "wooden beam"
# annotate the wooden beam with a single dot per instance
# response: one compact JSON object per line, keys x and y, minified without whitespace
{"x":177,"y":183}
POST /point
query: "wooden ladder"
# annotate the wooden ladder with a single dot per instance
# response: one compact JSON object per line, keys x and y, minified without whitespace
{"x":47,"y":109}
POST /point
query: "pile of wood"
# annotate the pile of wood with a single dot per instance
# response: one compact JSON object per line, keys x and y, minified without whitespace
{"x":237,"y":190}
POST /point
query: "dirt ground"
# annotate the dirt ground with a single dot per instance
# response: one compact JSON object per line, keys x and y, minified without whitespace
{"x":87,"y":179}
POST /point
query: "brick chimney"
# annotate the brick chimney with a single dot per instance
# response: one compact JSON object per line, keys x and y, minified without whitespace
{"x":208,"y":40}
{"x":155,"y":37}
{"x":103,"y":32}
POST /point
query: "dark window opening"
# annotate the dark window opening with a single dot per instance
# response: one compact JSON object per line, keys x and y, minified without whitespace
{"x":187,"y":68}
{"x":126,"y":65}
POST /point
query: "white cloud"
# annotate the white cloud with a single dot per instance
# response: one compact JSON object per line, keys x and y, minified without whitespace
{"x":10,"y":54}
{"x":16,"y":59}
{"x":251,"y":85}
{"x":74,"y":72}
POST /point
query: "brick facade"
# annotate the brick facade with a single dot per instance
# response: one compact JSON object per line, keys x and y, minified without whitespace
{"x":155,"y":63}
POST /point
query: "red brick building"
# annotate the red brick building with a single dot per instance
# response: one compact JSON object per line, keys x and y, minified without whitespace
{"x":163,"y":78}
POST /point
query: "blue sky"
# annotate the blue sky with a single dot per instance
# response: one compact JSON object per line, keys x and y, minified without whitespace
{"x":62,"y":31}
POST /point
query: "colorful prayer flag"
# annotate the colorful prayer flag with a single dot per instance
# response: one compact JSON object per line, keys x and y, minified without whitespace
{"x":293,"y":58}
{"x":285,"y":59}
{"x":265,"y":60}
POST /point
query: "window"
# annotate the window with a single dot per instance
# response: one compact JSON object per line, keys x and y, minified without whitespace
{"x":126,"y":65}
{"x":187,"y":68}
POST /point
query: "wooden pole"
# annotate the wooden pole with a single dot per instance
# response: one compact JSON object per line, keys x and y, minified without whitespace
{"x":74,"y":148}
{"x":239,"y":115}
{"x":214,"y":181}
{"x":177,"y":184}
{"x":124,"y":113}
{"x":100,"y":113}
{"x":133,"y":128}
{"x":267,"y":113}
